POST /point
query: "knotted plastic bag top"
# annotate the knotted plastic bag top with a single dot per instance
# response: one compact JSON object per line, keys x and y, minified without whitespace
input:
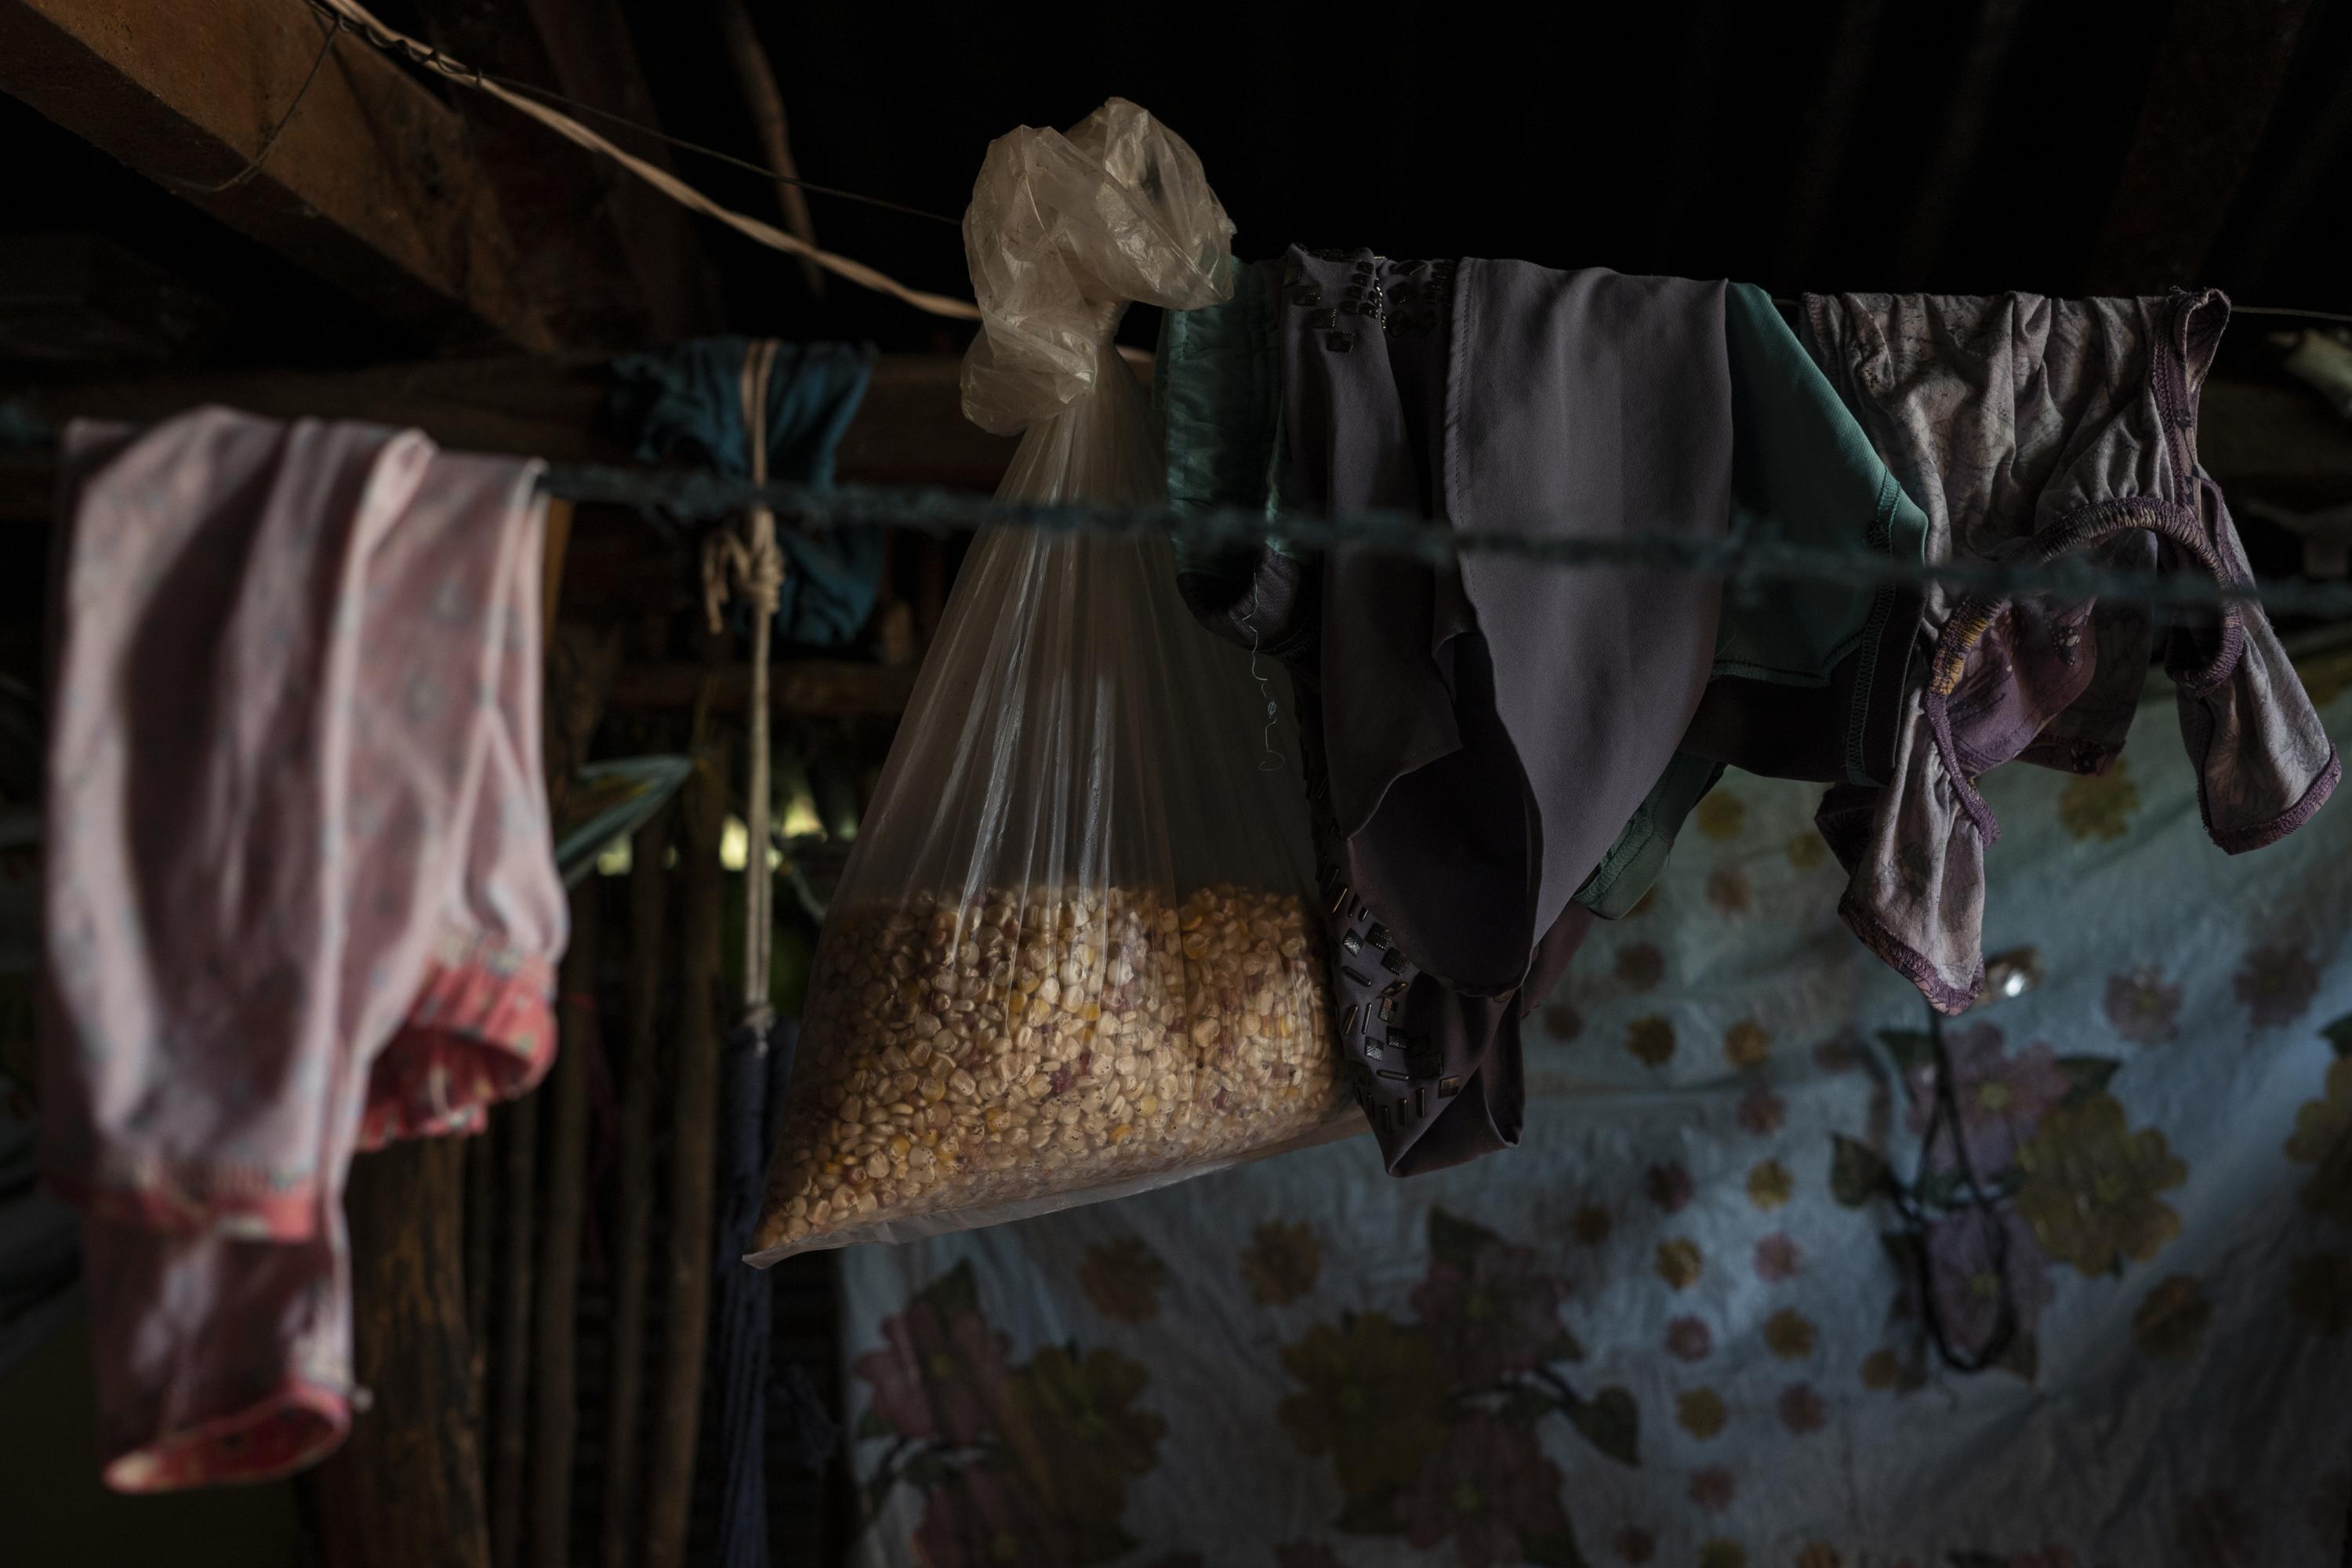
{"x":1064,"y":231}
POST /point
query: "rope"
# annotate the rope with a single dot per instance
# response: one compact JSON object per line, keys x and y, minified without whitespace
{"x":1737,"y":558}
{"x":1983,"y":1204}
{"x":756,"y":564}
{"x":365,"y":23}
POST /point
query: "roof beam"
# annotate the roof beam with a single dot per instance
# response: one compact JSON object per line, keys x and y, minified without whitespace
{"x":372,"y":184}
{"x":909,"y":429}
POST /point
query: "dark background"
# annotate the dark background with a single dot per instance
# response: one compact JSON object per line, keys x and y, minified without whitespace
{"x":1949,"y":146}
{"x":1956,"y":146}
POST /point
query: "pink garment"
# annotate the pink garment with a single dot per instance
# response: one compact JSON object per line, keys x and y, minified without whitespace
{"x":301,"y":897}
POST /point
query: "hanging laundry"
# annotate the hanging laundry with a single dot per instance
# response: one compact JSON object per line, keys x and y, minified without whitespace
{"x":302,"y":897}
{"x":1496,"y":395}
{"x":684,"y":404}
{"x":2036,"y":430}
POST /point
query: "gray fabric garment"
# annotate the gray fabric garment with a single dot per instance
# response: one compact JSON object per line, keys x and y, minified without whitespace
{"x":2030,"y":429}
{"x":1804,"y":685}
{"x":1488,"y":732}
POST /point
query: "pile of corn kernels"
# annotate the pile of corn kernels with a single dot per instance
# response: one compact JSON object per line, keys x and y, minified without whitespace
{"x":1034,"y":1042}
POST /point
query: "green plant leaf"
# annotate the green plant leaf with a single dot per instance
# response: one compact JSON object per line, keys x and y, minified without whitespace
{"x":1565,"y":1347}
{"x":2089,"y":1075}
{"x":1374,"y":1513}
{"x":1612,"y":1422}
{"x":1526,"y":1406}
{"x":2339,"y":1034}
{"x":874,"y":1423}
{"x":955,"y":1291}
{"x":1553,"y":1551}
{"x":1457,"y":1241}
{"x":1857,"y":1172}
{"x":1909,"y":1048}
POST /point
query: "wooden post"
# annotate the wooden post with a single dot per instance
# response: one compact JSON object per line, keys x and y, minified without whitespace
{"x":406,"y":1489}
{"x":648,"y":886}
{"x":481,"y":1207}
{"x":765,"y":100}
{"x":687,"y":1271}
{"x":510,"y":1357}
{"x":555,"y":1420}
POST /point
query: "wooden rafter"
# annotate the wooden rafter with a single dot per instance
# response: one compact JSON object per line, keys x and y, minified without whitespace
{"x":373,"y":184}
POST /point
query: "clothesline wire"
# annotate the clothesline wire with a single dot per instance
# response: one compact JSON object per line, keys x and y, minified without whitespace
{"x":746,"y":164}
{"x":351,"y":16}
{"x":1745,"y":560}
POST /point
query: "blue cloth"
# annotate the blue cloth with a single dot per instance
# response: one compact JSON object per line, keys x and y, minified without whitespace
{"x":755,"y":1067}
{"x":684,"y":404}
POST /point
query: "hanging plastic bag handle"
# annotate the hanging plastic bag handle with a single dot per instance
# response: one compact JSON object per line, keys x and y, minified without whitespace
{"x":1063,"y":233}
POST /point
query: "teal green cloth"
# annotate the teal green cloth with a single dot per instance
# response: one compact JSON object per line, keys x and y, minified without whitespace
{"x":1803,"y":470}
{"x":1640,"y":853}
{"x":1216,"y":383}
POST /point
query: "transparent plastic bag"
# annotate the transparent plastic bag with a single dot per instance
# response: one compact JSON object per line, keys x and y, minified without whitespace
{"x":1063,"y":233}
{"x":1073,"y":953}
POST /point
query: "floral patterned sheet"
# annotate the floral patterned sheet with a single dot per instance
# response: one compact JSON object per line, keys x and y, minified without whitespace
{"x":1678,"y":1325}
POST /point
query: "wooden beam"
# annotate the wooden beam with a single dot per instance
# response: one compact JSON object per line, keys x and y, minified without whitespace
{"x":765,"y":100}
{"x":406,"y":1487}
{"x":910,"y":429}
{"x":2215,"y":81}
{"x":372,"y":184}
{"x":551,"y":407}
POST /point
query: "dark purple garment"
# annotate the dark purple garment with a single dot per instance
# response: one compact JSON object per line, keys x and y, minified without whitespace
{"x":756,"y":1063}
{"x":2033,"y":431}
{"x":1486,"y":732}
